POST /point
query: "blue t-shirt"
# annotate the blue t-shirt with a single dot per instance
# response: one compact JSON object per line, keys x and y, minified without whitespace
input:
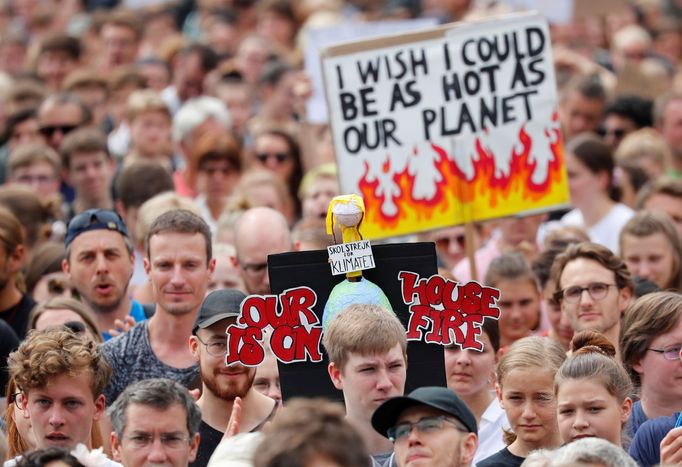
{"x":136,"y":311}
{"x":637,"y":417}
{"x":646,"y":445}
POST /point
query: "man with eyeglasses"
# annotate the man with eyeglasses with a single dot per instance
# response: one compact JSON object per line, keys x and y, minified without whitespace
{"x":259,"y":232}
{"x":37,"y":166}
{"x":429,"y":427}
{"x":650,"y":344}
{"x":60,"y":114}
{"x":155,"y":422}
{"x":222,"y":384}
{"x":594,"y":287}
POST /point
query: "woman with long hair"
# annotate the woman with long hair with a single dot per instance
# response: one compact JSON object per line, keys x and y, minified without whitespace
{"x":590,"y":166}
{"x":652,"y":249}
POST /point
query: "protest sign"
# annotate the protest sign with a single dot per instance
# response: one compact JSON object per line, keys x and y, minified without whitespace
{"x":323,"y":36}
{"x":311,"y":269}
{"x":350,"y":257}
{"x":433,"y":310}
{"x":449,"y":125}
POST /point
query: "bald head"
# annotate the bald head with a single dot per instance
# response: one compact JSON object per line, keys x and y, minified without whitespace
{"x":260,"y":232}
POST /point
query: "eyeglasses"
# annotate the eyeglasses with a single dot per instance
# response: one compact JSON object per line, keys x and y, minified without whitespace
{"x":280,"y":157}
{"x":597,"y":290}
{"x":172,"y":441}
{"x":16,"y":399}
{"x":255,"y":269}
{"x":215,"y":348}
{"x":49,"y":130}
{"x":671,"y":352}
{"x":425,"y":425}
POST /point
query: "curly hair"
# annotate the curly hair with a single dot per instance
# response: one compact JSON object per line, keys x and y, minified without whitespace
{"x":45,"y":355}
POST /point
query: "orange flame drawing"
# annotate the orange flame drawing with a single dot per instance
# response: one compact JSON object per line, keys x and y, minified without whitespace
{"x":490,"y":193}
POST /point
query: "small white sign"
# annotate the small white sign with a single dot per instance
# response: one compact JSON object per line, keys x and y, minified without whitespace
{"x":350,"y":257}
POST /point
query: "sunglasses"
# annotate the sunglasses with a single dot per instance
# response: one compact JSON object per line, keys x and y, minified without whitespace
{"x":94,"y":219}
{"x":49,"y":130}
{"x":444,"y":242}
{"x":280,"y":157}
{"x":618,"y":133}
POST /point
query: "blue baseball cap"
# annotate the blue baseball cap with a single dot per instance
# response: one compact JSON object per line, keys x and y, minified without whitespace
{"x":94,"y":219}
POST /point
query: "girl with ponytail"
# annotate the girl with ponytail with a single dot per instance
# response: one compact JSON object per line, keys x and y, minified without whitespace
{"x":593,"y":391}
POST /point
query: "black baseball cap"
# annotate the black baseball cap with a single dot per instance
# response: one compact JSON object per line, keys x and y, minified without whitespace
{"x":219,"y":304}
{"x":94,"y":219}
{"x":443,"y":399}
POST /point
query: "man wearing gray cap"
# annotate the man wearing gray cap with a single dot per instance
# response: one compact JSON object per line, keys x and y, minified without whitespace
{"x":222,"y":384}
{"x":430,"y":427}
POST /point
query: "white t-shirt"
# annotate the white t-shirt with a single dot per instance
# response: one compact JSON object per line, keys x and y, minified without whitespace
{"x":605,"y":232}
{"x":490,"y":434}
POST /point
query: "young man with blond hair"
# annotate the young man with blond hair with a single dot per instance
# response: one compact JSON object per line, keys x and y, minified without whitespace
{"x":37,"y":166}
{"x":367,"y":351}
{"x":61,"y":376}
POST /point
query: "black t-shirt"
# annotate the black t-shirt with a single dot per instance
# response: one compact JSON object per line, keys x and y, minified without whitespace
{"x":502,"y":458}
{"x":17,"y":316}
{"x":8,"y":343}
{"x":210,"y":438}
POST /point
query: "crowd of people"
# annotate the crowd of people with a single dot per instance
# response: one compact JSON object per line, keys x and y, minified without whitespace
{"x":153,"y":153}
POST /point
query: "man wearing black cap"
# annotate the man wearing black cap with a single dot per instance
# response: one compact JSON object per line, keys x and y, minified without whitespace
{"x":430,"y":427}
{"x":99,"y":263}
{"x":222,"y":384}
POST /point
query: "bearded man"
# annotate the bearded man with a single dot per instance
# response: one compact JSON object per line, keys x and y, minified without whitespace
{"x":222,"y":384}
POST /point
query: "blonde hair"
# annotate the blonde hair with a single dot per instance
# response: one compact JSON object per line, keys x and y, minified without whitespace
{"x":65,"y":303}
{"x":527,"y":353}
{"x":362,"y":329}
{"x":647,"y":223}
{"x":242,"y":199}
{"x":645,"y":143}
{"x":322,"y":171}
{"x":45,"y":355}
{"x":629,"y":35}
{"x":145,"y":100}
{"x":157,"y":205}
{"x":33,"y":153}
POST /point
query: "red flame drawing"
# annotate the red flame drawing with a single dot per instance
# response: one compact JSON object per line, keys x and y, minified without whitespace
{"x":488,"y":188}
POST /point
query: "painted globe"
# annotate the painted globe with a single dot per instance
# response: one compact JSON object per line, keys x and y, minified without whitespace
{"x":347,"y":293}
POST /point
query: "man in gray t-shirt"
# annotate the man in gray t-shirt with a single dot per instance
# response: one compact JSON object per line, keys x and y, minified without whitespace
{"x":179,"y":265}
